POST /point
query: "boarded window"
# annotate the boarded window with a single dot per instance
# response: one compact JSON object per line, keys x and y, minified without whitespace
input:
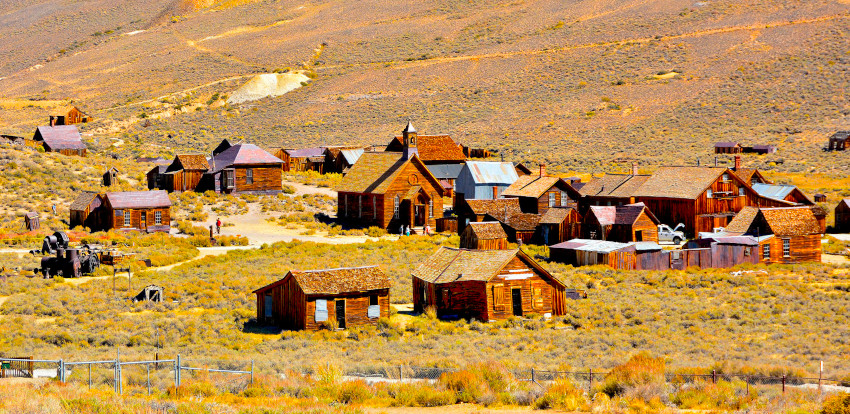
{"x":374,"y":207}
{"x":766,"y":252}
{"x":321,"y":310}
{"x":157,"y":217}
{"x":228,"y":179}
{"x":552,"y":199}
{"x":499,"y":296}
{"x":786,"y":247}
{"x":725,"y":176}
{"x":747,"y":251}
{"x":359,"y":206}
{"x":537,"y":297}
{"x":345,"y":205}
{"x":249,"y":176}
{"x":127,"y":215}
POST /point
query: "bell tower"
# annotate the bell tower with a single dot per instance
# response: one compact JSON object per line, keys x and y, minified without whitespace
{"x":409,"y":140}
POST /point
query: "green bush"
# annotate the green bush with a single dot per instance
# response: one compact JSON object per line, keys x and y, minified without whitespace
{"x":836,"y":404}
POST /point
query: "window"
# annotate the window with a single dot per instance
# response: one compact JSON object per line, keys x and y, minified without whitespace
{"x":742,"y":191}
{"x":499,"y":296}
{"x":359,"y":206}
{"x":754,"y":180}
{"x":374,"y":310}
{"x":157,"y":217}
{"x":431,"y":208}
{"x":345,"y":205}
{"x":228,"y":179}
{"x":747,"y":251}
{"x":564,"y":199}
{"x":373,"y":300}
{"x":766,"y":252}
{"x":537,"y":298}
{"x":321,"y":310}
{"x":552,"y":199}
{"x":396,"y":203}
{"x":725,"y":177}
{"x":786,"y":247}
{"x":374,"y":207}
{"x":708,"y":193}
{"x":249,"y":176}
{"x":127,"y":215}
{"x":269,"y":305}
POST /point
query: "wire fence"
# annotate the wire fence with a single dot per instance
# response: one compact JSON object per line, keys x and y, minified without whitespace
{"x":149,"y":376}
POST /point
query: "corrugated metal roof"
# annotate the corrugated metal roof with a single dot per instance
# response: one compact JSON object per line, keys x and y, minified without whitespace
{"x":305,"y":152}
{"x":445,"y":171}
{"x":599,"y":246}
{"x":777,"y":191}
{"x":647,"y":246}
{"x":352,"y":155}
{"x":61,"y":137}
{"x":489,"y":172}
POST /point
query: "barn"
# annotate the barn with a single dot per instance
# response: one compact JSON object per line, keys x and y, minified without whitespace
{"x":626,"y":223}
{"x":785,"y":234}
{"x":64,"y":139}
{"x":487,"y":235}
{"x":332,"y":298}
{"x":486,"y":285}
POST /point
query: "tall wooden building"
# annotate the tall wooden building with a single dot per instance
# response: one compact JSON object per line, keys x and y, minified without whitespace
{"x":184,"y":173}
{"x":312,"y":299}
{"x":486,"y":285}
{"x":623,"y":224}
{"x":785,"y":235}
{"x":537,"y":193}
{"x":390,"y":190}
{"x":64,"y":139}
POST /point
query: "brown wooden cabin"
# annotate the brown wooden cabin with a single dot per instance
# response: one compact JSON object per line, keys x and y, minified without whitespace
{"x":340,"y":159}
{"x":145,"y":211}
{"x":842,"y":216}
{"x":728,"y":148}
{"x":626,"y":223}
{"x":184,"y":173}
{"x":537,"y":193}
{"x":475,"y":152}
{"x":472,"y":211}
{"x":819,"y":198}
{"x":64,"y":139}
{"x":84,"y":209}
{"x":311,"y":299}
{"x":305,"y":159}
{"x":484,"y":236}
{"x":520,"y":227}
{"x":243,"y":168}
{"x":760,"y":149}
{"x":31,"y":221}
{"x":839,"y":141}
{"x":69,"y":116}
{"x":390,"y":190}
{"x":432,"y":149}
{"x":156,"y":177}
{"x":486,"y":285}
{"x":559,"y":224}
{"x":785,"y":235}
{"x":110,"y":177}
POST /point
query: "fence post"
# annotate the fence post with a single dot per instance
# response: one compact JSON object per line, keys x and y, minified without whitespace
{"x":713,"y":376}
{"x":747,"y":380}
{"x":590,"y":382}
{"x":177,"y":372}
{"x":783,"y":383}
{"x":61,"y":373}
{"x":400,"y":372}
{"x":252,"y":372}
{"x":148,"y":366}
{"x":532,"y":375}
{"x":89,"y":376}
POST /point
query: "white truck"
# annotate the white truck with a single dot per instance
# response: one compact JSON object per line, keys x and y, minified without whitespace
{"x":666,"y":234}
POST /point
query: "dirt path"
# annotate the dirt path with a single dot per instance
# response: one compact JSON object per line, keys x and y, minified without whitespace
{"x":301,"y":189}
{"x":204,"y":252}
{"x":835,"y":259}
{"x":448,"y":409}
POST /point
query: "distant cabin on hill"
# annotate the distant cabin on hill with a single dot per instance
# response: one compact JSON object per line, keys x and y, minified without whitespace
{"x":69,"y":116}
{"x":64,"y":139}
{"x":312,"y":299}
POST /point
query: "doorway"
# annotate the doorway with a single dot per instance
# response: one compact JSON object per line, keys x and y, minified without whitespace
{"x":143,"y":225}
{"x":516,"y":296}
{"x":638,"y":235}
{"x":340,"y":313}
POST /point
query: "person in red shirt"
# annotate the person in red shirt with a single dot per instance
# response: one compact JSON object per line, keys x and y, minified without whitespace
{"x":218,"y":226}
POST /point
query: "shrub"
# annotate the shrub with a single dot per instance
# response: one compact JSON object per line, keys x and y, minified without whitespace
{"x":640,"y":372}
{"x":836,"y":404}
{"x":353,"y":392}
{"x":420,"y":395}
{"x":467,"y":386}
{"x":724,"y":395}
{"x":563,"y":395}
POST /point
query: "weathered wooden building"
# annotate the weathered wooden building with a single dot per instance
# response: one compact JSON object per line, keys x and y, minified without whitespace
{"x":520,"y":227}
{"x":156,"y":177}
{"x":184,"y":173}
{"x":839,"y":141}
{"x":521,"y":169}
{"x":64,"y":139}
{"x":727,"y":148}
{"x":760,"y":149}
{"x":484,"y":236}
{"x":110,"y":177}
{"x":243,"y":168}
{"x":390,"y":190}
{"x":69,"y":116}
{"x":538,"y":193}
{"x":611,"y":190}
{"x":433,"y":149}
{"x":559,"y":224}
{"x":145,"y":211}
{"x":626,"y":223}
{"x":447,"y":174}
{"x":305,"y":159}
{"x":842,"y":216}
{"x":31,"y":221}
{"x":483,"y":180}
{"x":340,"y":159}
{"x":786,"y":234}
{"x":472,"y":211}
{"x":486,"y":285}
{"x":13,"y":140}
{"x":331,"y":298}
{"x":84,"y":210}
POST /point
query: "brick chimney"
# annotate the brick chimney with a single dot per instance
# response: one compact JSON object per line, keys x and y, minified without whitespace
{"x":634,"y":168}
{"x":542,"y":170}
{"x":737,"y":162}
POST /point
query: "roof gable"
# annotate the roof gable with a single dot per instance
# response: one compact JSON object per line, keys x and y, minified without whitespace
{"x":486,"y":230}
{"x":490,"y":172}
{"x":613,"y":185}
{"x":622,"y":215}
{"x":83,"y":201}
{"x":499,"y":208}
{"x":791,"y":221}
{"x":375,"y":172}
{"x":556,"y":215}
{"x":432,"y":148}
{"x":244,"y":154}
{"x":60,"y":137}
{"x":688,"y":182}
{"x":535,"y":186}
{"x":189,"y":162}
{"x":138,"y":199}
{"x":450,"y":264}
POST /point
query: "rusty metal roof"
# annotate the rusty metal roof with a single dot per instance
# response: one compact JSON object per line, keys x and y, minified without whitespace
{"x":432,"y":148}
{"x":490,"y":172}
{"x":61,"y":137}
{"x":138,"y":199}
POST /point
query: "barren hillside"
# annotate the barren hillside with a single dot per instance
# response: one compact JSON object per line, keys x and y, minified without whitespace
{"x":572,"y":83}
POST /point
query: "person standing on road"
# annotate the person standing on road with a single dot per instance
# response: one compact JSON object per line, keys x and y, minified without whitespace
{"x":218,"y":226}
{"x":401,"y":230}
{"x":407,"y":230}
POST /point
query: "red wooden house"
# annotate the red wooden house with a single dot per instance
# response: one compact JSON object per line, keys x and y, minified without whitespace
{"x":785,"y":235}
{"x":486,"y":285}
{"x":390,"y":190}
{"x":331,"y":298}
{"x":624,"y":224}
{"x":64,"y":139}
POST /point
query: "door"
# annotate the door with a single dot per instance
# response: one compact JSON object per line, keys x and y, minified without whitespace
{"x":638,"y":235}
{"x":516,"y":295}
{"x":269,"y":305}
{"x":143,"y":225}
{"x":340,"y":313}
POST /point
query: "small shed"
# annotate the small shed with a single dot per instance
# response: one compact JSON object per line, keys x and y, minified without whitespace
{"x":626,"y":223}
{"x":151,"y":293}
{"x":839,"y":141}
{"x":763,"y":149}
{"x":559,"y":224}
{"x":728,"y":148}
{"x":520,"y":227}
{"x":486,"y":285}
{"x":110,"y":177}
{"x":69,"y":116}
{"x":842,"y":216}
{"x":156,"y":177}
{"x":584,"y":252}
{"x":820,"y":198}
{"x":487,"y":235}
{"x":311,"y":299}
{"x":31,"y":221}
{"x":84,"y":209}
